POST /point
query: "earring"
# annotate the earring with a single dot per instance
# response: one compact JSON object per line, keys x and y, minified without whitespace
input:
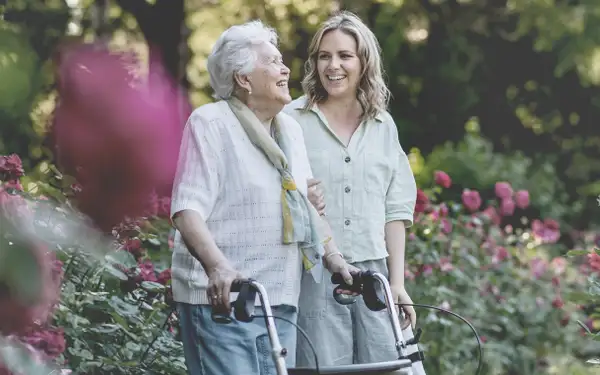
{"x":249,"y":92}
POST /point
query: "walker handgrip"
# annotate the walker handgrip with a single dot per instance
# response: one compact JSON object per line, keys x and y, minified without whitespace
{"x":243,"y":306}
{"x":357,"y":279}
{"x":236,"y":285}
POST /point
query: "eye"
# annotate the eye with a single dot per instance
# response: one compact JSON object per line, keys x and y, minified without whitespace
{"x":323,"y":56}
{"x":346,"y":56}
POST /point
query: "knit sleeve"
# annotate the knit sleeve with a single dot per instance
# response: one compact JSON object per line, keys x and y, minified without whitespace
{"x":196,"y":186}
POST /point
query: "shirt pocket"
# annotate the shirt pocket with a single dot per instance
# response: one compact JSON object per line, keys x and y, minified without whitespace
{"x":377,"y":172}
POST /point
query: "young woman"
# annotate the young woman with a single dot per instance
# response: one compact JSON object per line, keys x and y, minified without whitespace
{"x":356,"y":158}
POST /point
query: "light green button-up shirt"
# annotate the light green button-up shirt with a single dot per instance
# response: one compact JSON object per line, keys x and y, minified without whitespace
{"x":366,"y":184}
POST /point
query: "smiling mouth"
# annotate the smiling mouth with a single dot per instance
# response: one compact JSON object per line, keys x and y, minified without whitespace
{"x":283,"y":83}
{"x":336,"y":78}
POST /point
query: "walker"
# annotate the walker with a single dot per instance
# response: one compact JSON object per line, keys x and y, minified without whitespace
{"x":365,"y":283}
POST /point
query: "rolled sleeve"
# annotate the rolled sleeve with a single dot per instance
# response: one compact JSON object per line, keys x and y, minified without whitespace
{"x":402,"y":193}
{"x":196,"y":184}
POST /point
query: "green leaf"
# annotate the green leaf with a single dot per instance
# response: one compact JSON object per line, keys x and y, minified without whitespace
{"x":122,"y":308}
{"x":112,"y":270}
{"x":152,"y":287}
{"x":573,"y":253}
{"x":106,"y":328}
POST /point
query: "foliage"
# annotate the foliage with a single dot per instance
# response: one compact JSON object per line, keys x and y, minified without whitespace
{"x":446,"y":61}
{"x":589,"y":264}
{"x":115,"y":313}
{"x":474,"y":164}
{"x":504,"y":280}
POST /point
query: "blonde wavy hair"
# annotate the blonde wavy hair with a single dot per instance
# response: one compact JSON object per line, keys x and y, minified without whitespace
{"x":372,"y":92}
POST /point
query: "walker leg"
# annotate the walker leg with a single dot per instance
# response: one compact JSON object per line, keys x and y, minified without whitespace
{"x":278,"y":351}
{"x":393,"y":314}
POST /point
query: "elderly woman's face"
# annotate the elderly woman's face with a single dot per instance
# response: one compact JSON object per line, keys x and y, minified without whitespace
{"x":269,"y":79}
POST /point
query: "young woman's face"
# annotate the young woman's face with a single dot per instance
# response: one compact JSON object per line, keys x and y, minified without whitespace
{"x":338,"y":64}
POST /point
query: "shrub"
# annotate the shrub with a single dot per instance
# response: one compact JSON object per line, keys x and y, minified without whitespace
{"x":461,"y":257}
{"x":115,"y":313}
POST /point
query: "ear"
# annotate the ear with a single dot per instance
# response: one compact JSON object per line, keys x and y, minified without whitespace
{"x":243,"y":81}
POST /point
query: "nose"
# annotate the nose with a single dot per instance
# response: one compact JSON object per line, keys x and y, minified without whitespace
{"x":284,"y":69}
{"x":334,"y":62}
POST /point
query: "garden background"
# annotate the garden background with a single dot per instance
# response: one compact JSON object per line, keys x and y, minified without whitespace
{"x":496,"y":103}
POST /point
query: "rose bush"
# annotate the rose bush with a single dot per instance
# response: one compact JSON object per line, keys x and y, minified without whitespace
{"x":462,"y":256}
{"x":115,"y":314}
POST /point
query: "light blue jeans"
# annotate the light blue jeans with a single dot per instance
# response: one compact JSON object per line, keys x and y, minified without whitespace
{"x":237,"y":348}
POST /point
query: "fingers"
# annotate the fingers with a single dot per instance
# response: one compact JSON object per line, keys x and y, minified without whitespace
{"x":410,"y":311}
{"x":345,"y":272}
{"x":312,"y":182}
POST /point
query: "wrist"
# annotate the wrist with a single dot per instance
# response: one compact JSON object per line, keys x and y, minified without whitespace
{"x":396,"y":284}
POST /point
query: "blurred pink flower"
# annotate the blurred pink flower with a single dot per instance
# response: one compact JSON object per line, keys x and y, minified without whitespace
{"x":442,"y":179}
{"x":558,"y":265}
{"x":547,"y":231}
{"x":446,"y":264}
{"x":426,"y":270}
{"x":13,"y":184}
{"x":50,"y":341}
{"x":118,"y":137}
{"x":164,"y":277}
{"x":422,"y":201}
{"x":443,"y":210}
{"x":500,"y":254}
{"x":134,"y":246}
{"x":507,"y":206}
{"x":446,"y":226}
{"x":147,"y":272}
{"x":492,"y":215}
{"x":522,"y":199}
{"x":503,"y":190}
{"x":11,"y":167}
{"x":538,"y":267}
{"x":471,"y":199}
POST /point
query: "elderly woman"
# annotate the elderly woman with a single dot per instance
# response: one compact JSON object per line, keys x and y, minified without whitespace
{"x":240,"y":209}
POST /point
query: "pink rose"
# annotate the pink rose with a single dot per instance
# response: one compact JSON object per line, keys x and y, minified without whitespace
{"x":492,"y":215}
{"x":11,"y":166}
{"x":522,"y":199}
{"x":442,"y":179}
{"x":471,"y":199}
{"x":446,"y":226}
{"x":165,"y":276}
{"x":503,"y":190}
{"x":422,"y":201}
{"x":547,"y":231}
{"x":500,"y":255}
{"x":507,"y":207}
{"x":538,"y":267}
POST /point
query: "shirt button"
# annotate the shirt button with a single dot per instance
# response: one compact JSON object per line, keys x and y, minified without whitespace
{"x":347,"y":222}
{"x":347,"y":159}
{"x":347,"y":189}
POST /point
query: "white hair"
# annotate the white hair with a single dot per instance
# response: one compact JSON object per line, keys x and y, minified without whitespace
{"x":233,"y":53}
